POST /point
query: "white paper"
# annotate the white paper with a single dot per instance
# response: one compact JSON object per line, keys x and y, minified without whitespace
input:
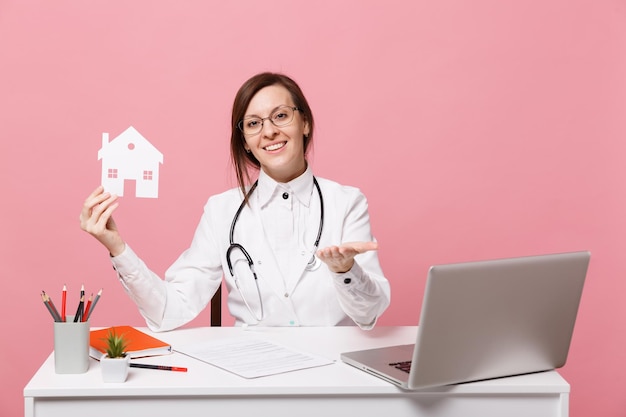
{"x":130,"y":158}
{"x":252,"y":358}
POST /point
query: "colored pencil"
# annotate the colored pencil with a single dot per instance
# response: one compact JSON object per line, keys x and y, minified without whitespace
{"x":82,"y":305}
{"x":93,"y":305}
{"x":86,"y":313}
{"x":47,"y":304}
{"x":79,"y":310}
{"x":55,"y":312}
{"x":63,"y":302}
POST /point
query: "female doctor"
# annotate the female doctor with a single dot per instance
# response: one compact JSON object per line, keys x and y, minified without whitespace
{"x":293,"y":249}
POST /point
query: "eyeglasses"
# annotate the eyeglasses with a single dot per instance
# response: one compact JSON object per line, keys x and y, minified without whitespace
{"x":281,"y":116}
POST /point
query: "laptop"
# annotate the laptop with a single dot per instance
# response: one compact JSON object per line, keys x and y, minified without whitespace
{"x":486,"y":319}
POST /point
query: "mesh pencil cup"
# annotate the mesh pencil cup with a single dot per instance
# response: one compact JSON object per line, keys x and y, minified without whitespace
{"x":71,"y":346}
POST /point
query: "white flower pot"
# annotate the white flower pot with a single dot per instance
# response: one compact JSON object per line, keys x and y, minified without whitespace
{"x":115,"y":369}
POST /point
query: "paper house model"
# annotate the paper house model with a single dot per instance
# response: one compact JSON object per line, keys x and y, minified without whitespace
{"x":130,"y":157}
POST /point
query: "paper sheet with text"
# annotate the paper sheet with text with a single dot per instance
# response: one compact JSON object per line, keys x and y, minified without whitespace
{"x":252,"y":358}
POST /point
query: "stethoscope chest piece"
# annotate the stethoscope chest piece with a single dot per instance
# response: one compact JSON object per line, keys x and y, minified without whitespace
{"x":314,"y":263}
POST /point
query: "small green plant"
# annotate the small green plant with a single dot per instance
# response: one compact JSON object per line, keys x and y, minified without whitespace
{"x":116,"y":345}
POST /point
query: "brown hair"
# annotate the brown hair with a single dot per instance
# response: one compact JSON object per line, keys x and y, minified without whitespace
{"x":241,"y":159}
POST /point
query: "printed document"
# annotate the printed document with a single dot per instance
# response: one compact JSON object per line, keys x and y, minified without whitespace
{"x":252,"y":358}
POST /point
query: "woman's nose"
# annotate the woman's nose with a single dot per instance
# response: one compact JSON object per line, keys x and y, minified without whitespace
{"x":268,"y":129}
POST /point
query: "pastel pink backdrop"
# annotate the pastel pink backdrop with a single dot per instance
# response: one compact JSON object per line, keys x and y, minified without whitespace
{"x":477,"y":130}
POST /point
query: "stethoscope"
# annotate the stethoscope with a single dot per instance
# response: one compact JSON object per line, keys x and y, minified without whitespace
{"x":313,"y":263}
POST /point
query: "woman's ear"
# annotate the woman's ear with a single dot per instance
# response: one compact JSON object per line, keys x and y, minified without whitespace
{"x":245,"y":144}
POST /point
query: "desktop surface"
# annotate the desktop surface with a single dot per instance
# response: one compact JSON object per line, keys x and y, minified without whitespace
{"x":326,"y":389}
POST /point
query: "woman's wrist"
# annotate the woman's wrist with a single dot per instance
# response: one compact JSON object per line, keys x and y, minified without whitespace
{"x":117,"y":249}
{"x":343,"y":269}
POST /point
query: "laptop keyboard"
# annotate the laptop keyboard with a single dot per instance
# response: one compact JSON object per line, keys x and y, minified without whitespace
{"x":403,"y":366}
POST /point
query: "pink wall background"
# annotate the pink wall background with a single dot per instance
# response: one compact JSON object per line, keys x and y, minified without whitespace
{"x":477,"y":129}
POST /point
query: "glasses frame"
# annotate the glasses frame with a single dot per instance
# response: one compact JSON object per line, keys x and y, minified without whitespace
{"x":263,"y":119}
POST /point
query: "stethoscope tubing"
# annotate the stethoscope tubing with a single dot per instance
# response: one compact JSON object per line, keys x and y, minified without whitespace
{"x":234,"y":246}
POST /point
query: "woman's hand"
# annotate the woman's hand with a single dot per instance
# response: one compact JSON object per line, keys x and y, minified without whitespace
{"x":341,"y":258}
{"x":95,"y":219}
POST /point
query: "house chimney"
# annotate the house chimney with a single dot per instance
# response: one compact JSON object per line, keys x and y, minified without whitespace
{"x":105,"y":140}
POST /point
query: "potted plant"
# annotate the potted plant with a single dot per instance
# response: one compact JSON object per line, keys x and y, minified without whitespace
{"x":116,"y":362}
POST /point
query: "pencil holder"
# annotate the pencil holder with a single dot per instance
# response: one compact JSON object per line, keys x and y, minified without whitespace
{"x":71,"y":346}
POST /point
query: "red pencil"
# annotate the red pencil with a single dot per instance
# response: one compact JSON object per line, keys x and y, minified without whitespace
{"x":86,"y":313}
{"x":63,"y":302}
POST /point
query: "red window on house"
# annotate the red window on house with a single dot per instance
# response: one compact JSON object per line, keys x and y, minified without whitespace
{"x":112,"y":173}
{"x":147,"y":175}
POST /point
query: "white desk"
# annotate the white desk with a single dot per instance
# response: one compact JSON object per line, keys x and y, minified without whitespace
{"x":328,"y":391}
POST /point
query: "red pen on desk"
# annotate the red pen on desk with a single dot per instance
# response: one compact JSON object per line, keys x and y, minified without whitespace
{"x":158,"y":367}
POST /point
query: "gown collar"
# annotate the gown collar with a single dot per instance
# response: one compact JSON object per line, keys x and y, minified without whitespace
{"x":300,"y":187}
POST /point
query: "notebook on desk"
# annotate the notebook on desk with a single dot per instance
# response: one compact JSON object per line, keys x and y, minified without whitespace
{"x":487,"y":319}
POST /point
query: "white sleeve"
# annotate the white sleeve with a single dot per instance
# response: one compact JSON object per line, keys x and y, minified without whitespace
{"x":188,"y":286}
{"x":363,"y":291}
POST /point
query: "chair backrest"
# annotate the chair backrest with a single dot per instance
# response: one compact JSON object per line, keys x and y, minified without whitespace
{"x":216,"y":308}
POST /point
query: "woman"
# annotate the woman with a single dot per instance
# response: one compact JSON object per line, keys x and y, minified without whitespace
{"x":262,"y":238}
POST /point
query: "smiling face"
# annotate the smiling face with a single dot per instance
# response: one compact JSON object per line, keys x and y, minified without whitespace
{"x":279,"y":150}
